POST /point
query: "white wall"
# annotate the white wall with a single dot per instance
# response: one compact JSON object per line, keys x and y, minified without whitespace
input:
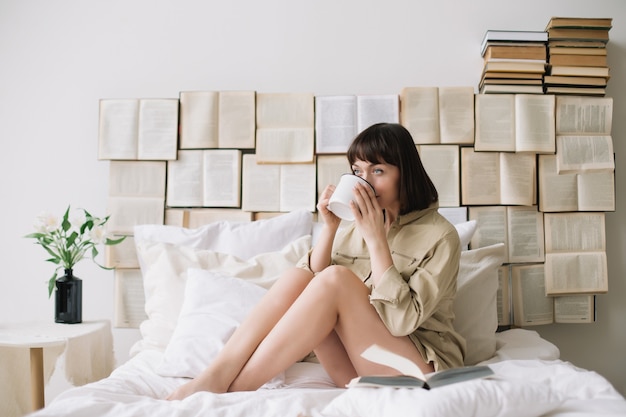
{"x":57,"y":58}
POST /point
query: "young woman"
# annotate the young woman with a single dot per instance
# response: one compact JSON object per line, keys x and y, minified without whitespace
{"x":389,"y":278}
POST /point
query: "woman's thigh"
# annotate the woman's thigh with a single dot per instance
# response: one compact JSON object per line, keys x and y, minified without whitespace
{"x":359,"y":325}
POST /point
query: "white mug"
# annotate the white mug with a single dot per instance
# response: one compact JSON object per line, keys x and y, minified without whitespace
{"x":339,"y":202}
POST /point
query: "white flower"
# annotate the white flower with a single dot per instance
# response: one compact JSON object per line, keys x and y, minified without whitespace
{"x":68,"y":242}
{"x":78,"y":219}
{"x":98,"y":234}
{"x":46,"y":222}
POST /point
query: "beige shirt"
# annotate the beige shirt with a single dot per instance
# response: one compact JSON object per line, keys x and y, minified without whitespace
{"x":414,"y":296}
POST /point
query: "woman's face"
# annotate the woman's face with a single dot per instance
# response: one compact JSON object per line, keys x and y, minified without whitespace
{"x":385,"y":179}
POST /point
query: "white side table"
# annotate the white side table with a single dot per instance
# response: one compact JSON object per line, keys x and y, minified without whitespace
{"x":88,"y":349}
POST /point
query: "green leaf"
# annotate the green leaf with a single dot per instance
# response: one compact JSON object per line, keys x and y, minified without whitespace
{"x":65,"y":224}
{"x":114,"y":241}
{"x":51,"y":284}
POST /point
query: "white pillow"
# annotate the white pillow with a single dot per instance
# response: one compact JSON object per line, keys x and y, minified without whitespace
{"x":475,"y":304}
{"x":466,"y":231}
{"x":165,"y":272}
{"x":241,"y":239}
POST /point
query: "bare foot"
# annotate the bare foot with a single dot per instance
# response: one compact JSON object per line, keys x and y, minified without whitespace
{"x":203,"y":382}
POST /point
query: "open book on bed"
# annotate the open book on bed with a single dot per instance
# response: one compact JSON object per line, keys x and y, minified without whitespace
{"x":411,"y":376}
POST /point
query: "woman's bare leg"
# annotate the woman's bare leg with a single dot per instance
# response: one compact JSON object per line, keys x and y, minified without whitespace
{"x":222,"y":371}
{"x":333,"y":356}
{"x":335,"y":300}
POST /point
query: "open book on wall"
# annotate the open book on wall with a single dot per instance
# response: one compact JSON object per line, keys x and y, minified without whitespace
{"x":520,"y":228}
{"x":129,"y":298}
{"x":575,"y":253}
{"x":277,"y":187}
{"x":217,"y":119}
{"x":192,"y":218}
{"x":436,"y":115}
{"x":515,"y":123}
{"x":335,"y":123}
{"x":443,"y":165}
{"x":532,"y":307}
{"x":581,"y":154}
{"x":410,"y":375}
{"x":584,"y":115}
{"x":492,"y":178}
{"x":138,"y":129}
{"x":585,"y":191}
{"x":338,"y":119}
{"x":329,"y":169}
{"x":376,"y":108}
{"x":136,"y":196}
{"x":205,"y":178}
{"x":503,"y":300}
{"x":285,"y":128}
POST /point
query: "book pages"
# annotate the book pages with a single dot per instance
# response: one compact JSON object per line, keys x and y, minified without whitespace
{"x":591,"y":191}
{"x":525,"y":234}
{"x":158,"y":129}
{"x":534,"y":123}
{"x":198,"y":217}
{"x":495,"y":122}
{"x":575,"y":309}
{"x":176,"y":217}
{"x":237,"y":119}
{"x":518,"y":173}
{"x":491,"y":227}
{"x":129,"y":298}
{"x":118,"y":127}
{"x":329,"y":169}
{"x":372,"y":109}
{"x":297,"y":187}
{"x":283,"y":110}
{"x":443,"y":165}
{"x":127,"y":212}
{"x":221,"y":178}
{"x":122,"y":255}
{"x":531,"y":306}
{"x":584,"y":115}
{"x":259,"y":190}
{"x":557,"y":192}
{"x":575,"y":253}
{"x":480,"y":177}
{"x":596,"y":191}
{"x":335,"y":123}
{"x":284,"y":145}
{"x":576,"y":273}
{"x":184,"y":179}
{"x":419,"y":113}
{"x":137,"y":178}
{"x":503,"y":300}
{"x":199,"y":119}
{"x":584,"y":154}
{"x":456,"y":115}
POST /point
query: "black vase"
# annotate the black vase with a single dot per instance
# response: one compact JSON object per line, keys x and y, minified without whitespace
{"x":68,"y":299}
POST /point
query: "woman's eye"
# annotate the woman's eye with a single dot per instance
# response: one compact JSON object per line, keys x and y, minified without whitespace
{"x":378,"y":171}
{"x":356,"y":171}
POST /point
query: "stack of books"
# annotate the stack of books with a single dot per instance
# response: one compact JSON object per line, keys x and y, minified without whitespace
{"x":514,"y":61}
{"x":577,"y":55}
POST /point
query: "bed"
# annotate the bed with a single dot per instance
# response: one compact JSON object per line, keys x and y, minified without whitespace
{"x":200,"y":283}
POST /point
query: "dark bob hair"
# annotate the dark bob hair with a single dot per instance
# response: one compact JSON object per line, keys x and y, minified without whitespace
{"x":392,"y":144}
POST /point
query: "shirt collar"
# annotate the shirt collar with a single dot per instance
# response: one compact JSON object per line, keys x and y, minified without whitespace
{"x":416,"y":214}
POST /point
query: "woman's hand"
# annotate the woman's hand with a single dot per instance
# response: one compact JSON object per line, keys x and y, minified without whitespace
{"x":368,"y":215}
{"x":328,"y":216}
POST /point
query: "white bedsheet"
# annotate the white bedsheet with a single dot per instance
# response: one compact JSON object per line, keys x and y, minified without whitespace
{"x":529,"y":381}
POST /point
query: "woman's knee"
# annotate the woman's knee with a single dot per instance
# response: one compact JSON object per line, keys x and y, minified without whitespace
{"x":337,"y":277}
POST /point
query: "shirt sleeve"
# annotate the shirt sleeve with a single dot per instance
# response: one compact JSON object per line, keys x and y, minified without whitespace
{"x":404,"y":305}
